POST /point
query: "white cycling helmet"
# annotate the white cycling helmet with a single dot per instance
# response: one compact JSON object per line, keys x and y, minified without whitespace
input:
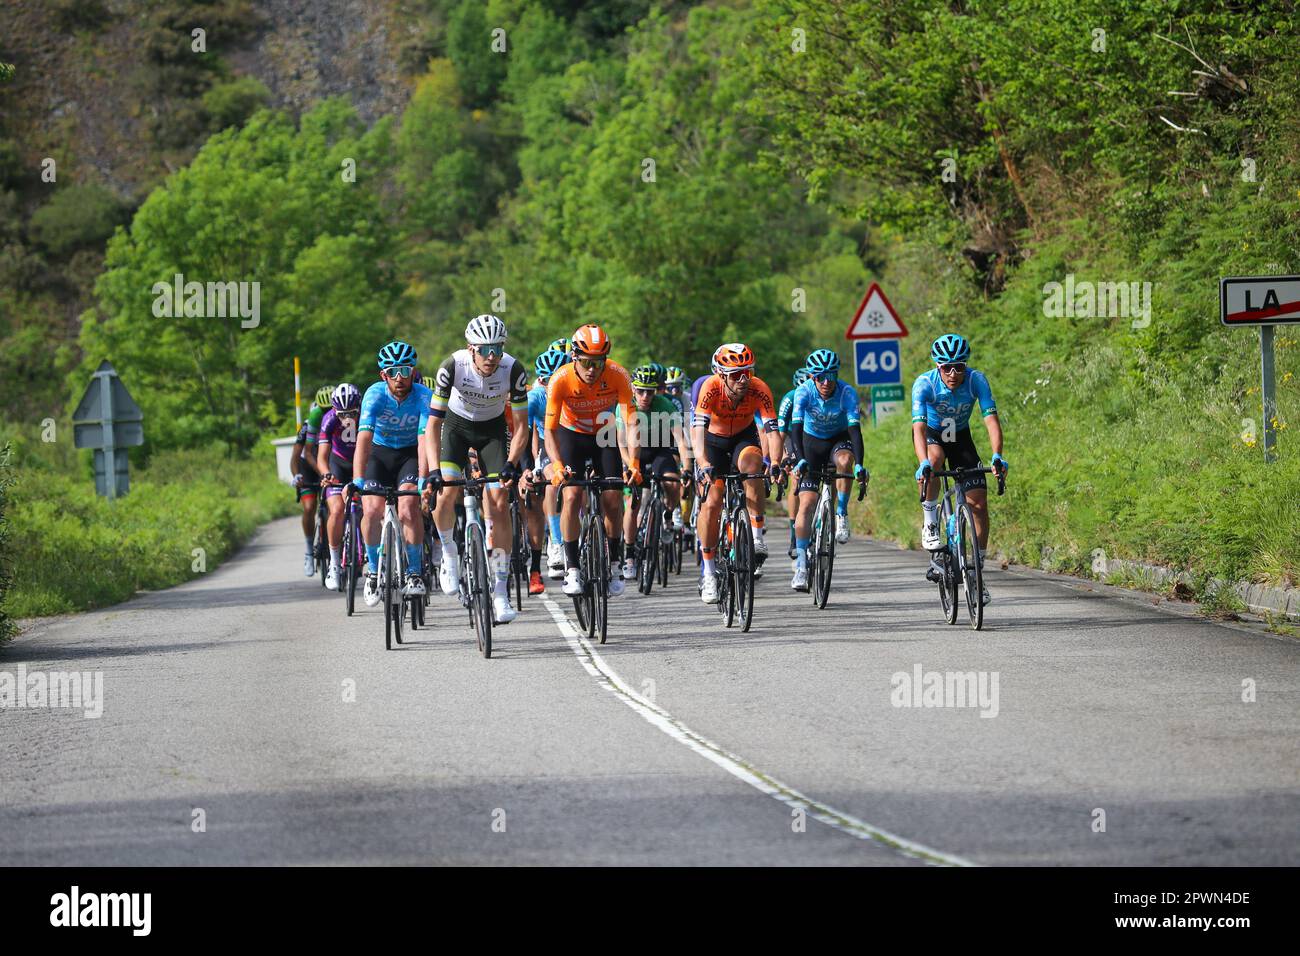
{"x":485,"y":330}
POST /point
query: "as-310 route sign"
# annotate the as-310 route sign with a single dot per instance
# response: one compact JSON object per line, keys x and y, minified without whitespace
{"x":1259,"y":300}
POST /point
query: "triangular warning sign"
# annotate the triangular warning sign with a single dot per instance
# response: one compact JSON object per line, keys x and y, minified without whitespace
{"x":876,"y":318}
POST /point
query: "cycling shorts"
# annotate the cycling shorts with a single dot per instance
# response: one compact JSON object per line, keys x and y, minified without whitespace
{"x":576,"y":449}
{"x":819,"y":452}
{"x":959,"y":453}
{"x":460,"y":434}
{"x":340,"y":468}
{"x":723,"y":453}
{"x":393,"y":467}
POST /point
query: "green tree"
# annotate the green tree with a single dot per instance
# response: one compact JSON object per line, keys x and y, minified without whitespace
{"x":271,"y":204}
{"x":76,"y":217}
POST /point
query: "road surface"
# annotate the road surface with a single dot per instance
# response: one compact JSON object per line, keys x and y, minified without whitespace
{"x":247,"y":720}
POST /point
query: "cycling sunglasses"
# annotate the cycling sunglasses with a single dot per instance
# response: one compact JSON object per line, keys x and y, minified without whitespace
{"x":488,"y":351}
{"x":953,"y":367}
{"x":827,"y":377}
{"x":741,"y":373}
{"x":400,"y":371}
{"x":590,"y":363}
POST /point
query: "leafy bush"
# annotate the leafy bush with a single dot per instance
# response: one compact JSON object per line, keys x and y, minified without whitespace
{"x":75,"y":550}
{"x":72,"y":15}
{"x":76,"y":217}
{"x":230,"y":104}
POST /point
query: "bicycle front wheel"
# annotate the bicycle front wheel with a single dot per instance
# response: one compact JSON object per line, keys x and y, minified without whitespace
{"x":479,"y":588}
{"x":600,"y":587}
{"x":648,"y":548}
{"x":322,"y":546}
{"x":722,"y":561}
{"x":387,"y":573}
{"x":825,"y":546}
{"x":972,"y":574}
{"x":349,"y":583}
{"x":742,"y":567}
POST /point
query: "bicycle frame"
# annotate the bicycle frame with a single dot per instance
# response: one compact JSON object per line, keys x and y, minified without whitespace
{"x":592,"y":606}
{"x":476,"y":581}
{"x":959,"y":561}
{"x":392,"y":564}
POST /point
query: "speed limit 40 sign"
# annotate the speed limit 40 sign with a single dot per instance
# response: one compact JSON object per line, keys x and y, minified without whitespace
{"x":876,"y":362}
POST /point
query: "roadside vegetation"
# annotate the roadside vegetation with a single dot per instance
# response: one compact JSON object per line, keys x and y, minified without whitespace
{"x":688,"y":174}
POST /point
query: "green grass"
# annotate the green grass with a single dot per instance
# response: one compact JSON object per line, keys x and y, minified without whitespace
{"x":72,"y":550}
{"x":1115,"y":443}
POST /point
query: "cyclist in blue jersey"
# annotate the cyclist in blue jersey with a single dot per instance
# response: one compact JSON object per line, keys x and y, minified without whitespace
{"x":388,"y":455}
{"x":942,"y":401}
{"x":784,"y":412}
{"x":824,"y":427}
{"x":537,"y":476}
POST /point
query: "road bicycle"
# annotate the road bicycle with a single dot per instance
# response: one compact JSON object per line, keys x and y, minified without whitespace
{"x":958,"y":563}
{"x":735,"y":559}
{"x":821,"y":545}
{"x":392,"y":566}
{"x":655,"y":543}
{"x":692,"y":528}
{"x":518,"y":546}
{"x":592,"y":605}
{"x":428,"y":567}
{"x":320,"y":549}
{"x":353,"y":552}
{"x":476,"y":579}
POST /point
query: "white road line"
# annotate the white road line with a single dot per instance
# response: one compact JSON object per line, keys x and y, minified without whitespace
{"x":734,"y":765}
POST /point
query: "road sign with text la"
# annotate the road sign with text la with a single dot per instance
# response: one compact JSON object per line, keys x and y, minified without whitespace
{"x":876,"y":318}
{"x":1259,"y":300}
{"x":876,"y":363}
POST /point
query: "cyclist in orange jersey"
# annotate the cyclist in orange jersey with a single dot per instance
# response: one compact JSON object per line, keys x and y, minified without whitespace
{"x":580,"y":429}
{"x":727,"y":439}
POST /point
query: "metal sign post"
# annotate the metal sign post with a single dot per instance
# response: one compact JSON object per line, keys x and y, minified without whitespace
{"x":108,"y":420}
{"x":1265,"y":301}
{"x":1269,"y":389}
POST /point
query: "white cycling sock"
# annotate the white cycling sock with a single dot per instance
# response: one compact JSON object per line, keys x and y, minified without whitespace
{"x":709,"y":567}
{"x":930,"y":511}
{"x":336,"y":556}
{"x":448,"y":537}
{"x":308,"y":539}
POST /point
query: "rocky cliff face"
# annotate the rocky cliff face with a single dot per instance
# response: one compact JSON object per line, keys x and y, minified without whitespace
{"x":312,"y":49}
{"x":88,"y":93}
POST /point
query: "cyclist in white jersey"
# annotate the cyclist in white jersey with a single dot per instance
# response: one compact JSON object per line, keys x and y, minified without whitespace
{"x":468,"y":411}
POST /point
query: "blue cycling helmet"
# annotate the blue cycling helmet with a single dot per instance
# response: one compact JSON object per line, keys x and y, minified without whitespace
{"x":822,"y":362}
{"x":949,"y":348}
{"x":549,"y":362}
{"x":801,"y":376}
{"x":396,"y":353}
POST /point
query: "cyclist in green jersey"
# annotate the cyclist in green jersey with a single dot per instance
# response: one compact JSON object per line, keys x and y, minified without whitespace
{"x":674,"y":385}
{"x":306,"y":480}
{"x":662,"y":442}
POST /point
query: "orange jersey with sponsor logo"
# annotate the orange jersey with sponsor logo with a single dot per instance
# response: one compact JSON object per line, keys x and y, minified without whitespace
{"x":575,"y":405}
{"x":716,"y":412}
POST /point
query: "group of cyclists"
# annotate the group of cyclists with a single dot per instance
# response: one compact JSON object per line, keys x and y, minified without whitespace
{"x":585,"y":414}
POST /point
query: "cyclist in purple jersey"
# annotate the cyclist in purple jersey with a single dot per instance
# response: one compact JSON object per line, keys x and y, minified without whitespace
{"x":335,"y":443}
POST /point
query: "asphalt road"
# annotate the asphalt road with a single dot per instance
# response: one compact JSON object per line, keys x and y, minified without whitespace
{"x":227,"y":735}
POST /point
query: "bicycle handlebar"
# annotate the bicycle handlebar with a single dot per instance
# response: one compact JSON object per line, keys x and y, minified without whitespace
{"x":960,"y":474}
{"x":388,"y":492}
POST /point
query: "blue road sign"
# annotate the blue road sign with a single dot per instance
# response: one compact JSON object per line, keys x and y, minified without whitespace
{"x":876,"y":361}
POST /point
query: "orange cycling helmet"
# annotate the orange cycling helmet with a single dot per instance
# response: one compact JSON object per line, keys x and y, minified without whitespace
{"x":589,"y":340}
{"x":732,"y":357}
